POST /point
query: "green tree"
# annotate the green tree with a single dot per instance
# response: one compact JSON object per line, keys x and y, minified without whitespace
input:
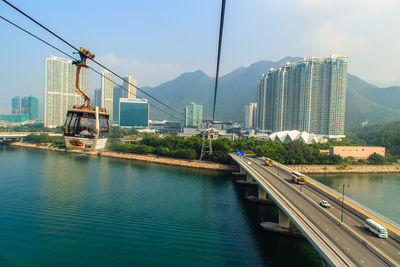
{"x":376,"y":159}
{"x":185,"y":153}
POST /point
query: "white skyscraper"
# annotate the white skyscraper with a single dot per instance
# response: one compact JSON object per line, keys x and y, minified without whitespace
{"x":129,"y":85}
{"x":107,"y":86}
{"x":250,"y":115}
{"x":59,"y":89}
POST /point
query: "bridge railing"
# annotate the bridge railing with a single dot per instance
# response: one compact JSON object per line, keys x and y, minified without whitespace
{"x":289,"y":170}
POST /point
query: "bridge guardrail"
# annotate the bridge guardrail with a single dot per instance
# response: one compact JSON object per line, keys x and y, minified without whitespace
{"x":394,"y":235}
{"x":305,"y":231}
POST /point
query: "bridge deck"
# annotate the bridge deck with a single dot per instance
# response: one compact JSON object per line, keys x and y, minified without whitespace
{"x":351,"y":239}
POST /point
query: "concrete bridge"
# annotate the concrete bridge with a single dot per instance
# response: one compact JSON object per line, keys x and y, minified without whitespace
{"x":339,"y":244}
{"x":19,"y":136}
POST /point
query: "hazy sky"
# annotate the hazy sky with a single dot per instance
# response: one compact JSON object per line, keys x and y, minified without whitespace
{"x":155,"y":41}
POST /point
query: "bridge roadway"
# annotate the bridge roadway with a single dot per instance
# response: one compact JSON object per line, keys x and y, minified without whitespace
{"x":348,"y":244}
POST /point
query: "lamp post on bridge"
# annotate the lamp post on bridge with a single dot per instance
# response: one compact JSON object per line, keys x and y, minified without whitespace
{"x":343,"y":186}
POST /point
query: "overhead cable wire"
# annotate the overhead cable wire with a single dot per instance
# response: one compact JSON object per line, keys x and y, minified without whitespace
{"x":98,"y":63}
{"x":221,"y":29}
{"x":94,"y":70}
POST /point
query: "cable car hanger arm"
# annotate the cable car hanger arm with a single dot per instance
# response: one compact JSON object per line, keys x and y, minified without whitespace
{"x":84,"y":54}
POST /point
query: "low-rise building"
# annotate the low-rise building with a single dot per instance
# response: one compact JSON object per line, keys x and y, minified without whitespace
{"x":357,"y":152}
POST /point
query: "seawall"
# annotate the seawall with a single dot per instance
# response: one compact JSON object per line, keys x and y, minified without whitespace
{"x":336,"y":169}
{"x":145,"y":158}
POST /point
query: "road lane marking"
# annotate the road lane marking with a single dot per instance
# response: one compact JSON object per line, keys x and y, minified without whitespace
{"x":362,"y":261}
{"x":348,"y":249}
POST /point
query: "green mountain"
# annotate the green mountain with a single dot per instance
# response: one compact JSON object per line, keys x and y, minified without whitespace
{"x":364,"y":102}
{"x":235,"y":90}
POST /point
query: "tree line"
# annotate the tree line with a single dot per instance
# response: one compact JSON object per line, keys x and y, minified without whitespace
{"x":296,"y":152}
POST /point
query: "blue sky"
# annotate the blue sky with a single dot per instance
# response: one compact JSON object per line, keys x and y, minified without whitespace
{"x":155,"y":41}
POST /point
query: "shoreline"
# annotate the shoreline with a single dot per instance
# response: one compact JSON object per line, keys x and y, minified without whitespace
{"x":351,"y":169}
{"x":138,"y":157}
{"x":306,"y":169}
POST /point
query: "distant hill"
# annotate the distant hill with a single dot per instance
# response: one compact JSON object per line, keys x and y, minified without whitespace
{"x":364,"y":102}
{"x":235,"y":90}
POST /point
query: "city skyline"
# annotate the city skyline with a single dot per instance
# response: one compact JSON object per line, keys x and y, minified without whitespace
{"x":317,"y":27}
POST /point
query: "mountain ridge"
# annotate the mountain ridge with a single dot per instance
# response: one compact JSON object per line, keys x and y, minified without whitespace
{"x":364,"y":101}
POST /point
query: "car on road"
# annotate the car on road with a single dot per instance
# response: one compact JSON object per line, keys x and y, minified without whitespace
{"x":325,"y":204}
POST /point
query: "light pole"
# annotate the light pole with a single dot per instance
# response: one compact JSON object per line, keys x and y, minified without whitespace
{"x":343,"y":185}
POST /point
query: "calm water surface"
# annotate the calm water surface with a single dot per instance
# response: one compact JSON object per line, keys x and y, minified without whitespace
{"x":379,"y":192}
{"x":59,"y":209}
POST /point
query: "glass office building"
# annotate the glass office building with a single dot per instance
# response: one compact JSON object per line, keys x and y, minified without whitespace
{"x":308,"y":95}
{"x":133,"y":113}
{"x":30,"y":106}
{"x":16,"y":105}
{"x":193,"y":115}
{"x":97,"y":97}
{"x":59,"y":87}
{"x":127,"y":90}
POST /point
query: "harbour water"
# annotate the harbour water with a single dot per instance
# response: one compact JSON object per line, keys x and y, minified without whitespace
{"x":379,"y":192}
{"x":61,"y":209}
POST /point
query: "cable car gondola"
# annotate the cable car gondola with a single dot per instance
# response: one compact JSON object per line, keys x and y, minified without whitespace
{"x":86,"y":128}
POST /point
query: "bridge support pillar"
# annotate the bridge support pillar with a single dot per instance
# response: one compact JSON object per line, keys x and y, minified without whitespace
{"x":284,"y":221}
{"x":261,"y":193}
{"x":249,"y":179}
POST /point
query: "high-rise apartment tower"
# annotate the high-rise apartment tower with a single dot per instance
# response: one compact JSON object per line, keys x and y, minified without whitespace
{"x":308,"y":95}
{"x":107,"y":91}
{"x":250,"y":115}
{"x":59,"y":89}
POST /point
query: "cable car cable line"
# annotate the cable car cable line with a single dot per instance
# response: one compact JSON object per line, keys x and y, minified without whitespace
{"x":78,"y":50}
{"x":221,"y":29}
{"x":73,"y":58}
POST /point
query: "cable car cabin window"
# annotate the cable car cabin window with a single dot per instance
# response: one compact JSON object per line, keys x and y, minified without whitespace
{"x":104,"y":126}
{"x":81,"y":124}
{"x":70,"y":127}
{"x":66,"y":124}
{"x":86,"y":126}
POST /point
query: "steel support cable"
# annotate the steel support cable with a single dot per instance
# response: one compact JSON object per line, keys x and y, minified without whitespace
{"x":75,"y":48}
{"x":66,"y":54}
{"x":221,"y":29}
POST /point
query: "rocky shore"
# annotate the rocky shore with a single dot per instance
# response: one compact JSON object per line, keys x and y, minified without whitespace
{"x":145,"y":158}
{"x":307,"y":169}
{"x":336,"y":169}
